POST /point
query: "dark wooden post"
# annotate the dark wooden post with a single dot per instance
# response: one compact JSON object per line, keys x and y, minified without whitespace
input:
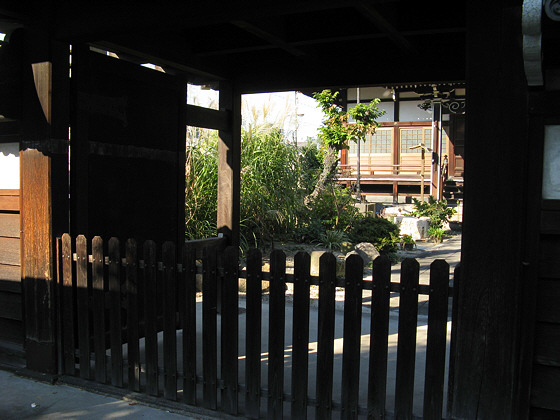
{"x":44,"y":189}
{"x":229,"y":172}
{"x":488,"y":338}
{"x":435,"y":187}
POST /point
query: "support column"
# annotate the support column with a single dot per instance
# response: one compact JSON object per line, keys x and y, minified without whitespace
{"x":44,"y":191}
{"x":435,"y":184}
{"x":488,"y":337}
{"x":229,"y":163}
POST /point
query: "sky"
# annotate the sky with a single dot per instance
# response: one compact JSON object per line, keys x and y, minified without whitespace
{"x":300,"y":115}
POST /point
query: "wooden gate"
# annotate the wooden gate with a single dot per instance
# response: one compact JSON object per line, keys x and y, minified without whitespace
{"x":133,"y":317}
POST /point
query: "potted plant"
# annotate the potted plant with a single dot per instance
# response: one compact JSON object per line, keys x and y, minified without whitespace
{"x":407,"y":243}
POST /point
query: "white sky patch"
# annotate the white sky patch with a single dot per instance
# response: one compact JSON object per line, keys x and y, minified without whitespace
{"x":2,"y":36}
{"x":298,"y":113}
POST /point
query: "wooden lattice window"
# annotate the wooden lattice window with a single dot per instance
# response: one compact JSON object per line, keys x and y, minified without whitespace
{"x":378,"y":143}
{"x":413,"y":137}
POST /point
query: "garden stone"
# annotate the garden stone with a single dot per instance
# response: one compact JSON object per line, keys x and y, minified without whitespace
{"x":316,"y":256}
{"x":346,"y":247}
{"x":415,"y":227}
{"x":367,"y":251}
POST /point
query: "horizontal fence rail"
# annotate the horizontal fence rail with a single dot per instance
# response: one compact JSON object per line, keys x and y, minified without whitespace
{"x":134,"y":317}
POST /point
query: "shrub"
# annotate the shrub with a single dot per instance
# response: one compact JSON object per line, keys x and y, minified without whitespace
{"x":436,"y":233}
{"x":335,"y":208}
{"x":309,"y":232}
{"x":333,"y":239}
{"x":387,"y":244}
{"x":372,"y":229}
{"x":437,"y":210}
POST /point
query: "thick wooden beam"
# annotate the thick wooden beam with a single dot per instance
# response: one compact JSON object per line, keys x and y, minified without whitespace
{"x":486,"y":374}
{"x":44,"y":192}
{"x":269,"y":37}
{"x":229,"y":172}
{"x":213,"y":119}
{"x":378,"y":20}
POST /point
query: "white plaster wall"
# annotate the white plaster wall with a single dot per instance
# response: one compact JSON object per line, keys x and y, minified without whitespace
{"x":409,"y":111}
{"x":551,"y":164}
{"x":9,"y":166}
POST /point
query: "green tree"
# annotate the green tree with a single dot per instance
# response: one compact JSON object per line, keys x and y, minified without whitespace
{"x":336,"y":132}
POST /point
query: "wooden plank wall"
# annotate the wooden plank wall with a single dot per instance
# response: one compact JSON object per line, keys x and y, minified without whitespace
{"x":128,"y":151}
{"x":546,"y":368}
{"x":11,"y":327}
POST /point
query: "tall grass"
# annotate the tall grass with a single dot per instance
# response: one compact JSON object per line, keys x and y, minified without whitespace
{"x":272,"y":185}
{"x":271,"y":192}
{"x":201,"y":193}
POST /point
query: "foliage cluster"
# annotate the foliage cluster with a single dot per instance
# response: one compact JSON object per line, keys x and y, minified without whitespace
{"x":276,"y":178}
{"x":438,"y":212}
{"x":271,"y":193}
{"x":382,"y":233}
{"x":336,"y":132}
{"x":201,"y":190}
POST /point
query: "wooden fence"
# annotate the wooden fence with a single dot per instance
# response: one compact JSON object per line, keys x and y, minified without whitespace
{"x":130,"y":319}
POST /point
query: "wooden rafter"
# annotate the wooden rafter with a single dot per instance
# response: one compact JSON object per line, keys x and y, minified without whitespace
{"x":267,"y":36}
{"x":367,"y":9}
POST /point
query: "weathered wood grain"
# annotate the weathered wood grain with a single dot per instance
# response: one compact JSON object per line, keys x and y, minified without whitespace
{"x":10,"y":278}
{"x":379,"y":338}
{"x":169,"y":321}
{"x":437,"y":341}
{"x":253,"y":340}
{"x":98,"y":294}
{"x":82,"y":301}
{"x":187,"y":308}
{"x":9,"y":251}
{"x":276,"y":328}
{"x":325,"y":339}
{"x":132,"y":318}
{"x":300,"y":340}
{"x":229,"y":330}
{"x":209,"y":329}
{"x":406,"y":347}
{"x":352,"y":336}
{"x":9,"y":225}
{"x":115,"y":321}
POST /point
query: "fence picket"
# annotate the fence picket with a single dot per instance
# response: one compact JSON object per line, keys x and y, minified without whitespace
{"x":67,"y":307}
{"x":115,"y":311}
{"x":325,"y":349}
{"x":406,"y":347}
{"x":253,"y":334}
{"x":379,"y":335}
{"x":277,"y":316}
{"x":209,"y":328}
{"x":452,"y":344}
{"x":352,"y":336}
{"x":188,"y":323}
{"x":99,"y":330}
{"x":150,"y":315}
{"x":437,"y":340}
{"x":169,"y":321}
{"x":131,"y":287}
{"x":150,"y":295}
{"x":300,"y":341}
{"x":230,"y":328}
{"x":82,"y":301}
